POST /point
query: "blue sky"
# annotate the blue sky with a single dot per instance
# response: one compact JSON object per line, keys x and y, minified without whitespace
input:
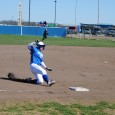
{"x":41,"y":10}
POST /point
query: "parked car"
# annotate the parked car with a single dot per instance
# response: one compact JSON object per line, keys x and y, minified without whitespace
{"x":103,"y":31}
{"x":96,"y":31}
{"x":110,"y":32}
{"x":72,"y":30}
{"x":86,"y":30}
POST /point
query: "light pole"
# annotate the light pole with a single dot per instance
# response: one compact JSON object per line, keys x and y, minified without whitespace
{"x":29,"y":12}
{"x":98,"y":13}
{"x":55,"y":13}
{"x":75,"y":11}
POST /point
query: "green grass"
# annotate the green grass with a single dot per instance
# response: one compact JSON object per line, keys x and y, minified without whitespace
{"x":24,"y":40}
{"x":54,"y":108}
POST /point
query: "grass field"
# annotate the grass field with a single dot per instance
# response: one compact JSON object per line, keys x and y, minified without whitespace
{"x":55,"y":108}
{"x":23,"y":40}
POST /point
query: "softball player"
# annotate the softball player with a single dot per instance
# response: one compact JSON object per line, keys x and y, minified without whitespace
{"x":37,"y":65}
{"x":45,"y":34}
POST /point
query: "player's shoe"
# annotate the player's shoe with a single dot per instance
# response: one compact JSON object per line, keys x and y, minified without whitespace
{"x":51,"y":82}
{"x":28,"y":79}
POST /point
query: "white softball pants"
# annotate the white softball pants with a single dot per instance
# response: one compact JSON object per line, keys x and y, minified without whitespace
{"x":38,"y":72}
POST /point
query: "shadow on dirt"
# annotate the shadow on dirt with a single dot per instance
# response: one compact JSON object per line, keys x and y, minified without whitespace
{"x":19,"y":80}
{"x":12,"y":77}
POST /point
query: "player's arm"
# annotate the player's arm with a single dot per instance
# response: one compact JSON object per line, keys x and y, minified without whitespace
{"x":47,"y":68}
{"x":30,"y":46}
{"x":43,"y":64}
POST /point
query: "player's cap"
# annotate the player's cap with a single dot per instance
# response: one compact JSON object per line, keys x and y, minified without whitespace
{"x":40,"y":44}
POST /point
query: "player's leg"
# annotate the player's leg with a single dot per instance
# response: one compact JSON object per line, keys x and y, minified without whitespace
{"x":39,"y":78}
{"x":45,"y":76}
{"x":42,"y":38}
{"x":39,"y":73}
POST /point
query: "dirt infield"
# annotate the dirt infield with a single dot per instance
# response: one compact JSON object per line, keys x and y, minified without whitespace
{"x":89,"y":67}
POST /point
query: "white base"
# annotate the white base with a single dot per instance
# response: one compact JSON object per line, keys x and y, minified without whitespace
{"x":78,"y":89}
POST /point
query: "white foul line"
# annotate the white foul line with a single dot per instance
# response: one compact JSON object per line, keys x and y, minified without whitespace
{"x":22,"y":90}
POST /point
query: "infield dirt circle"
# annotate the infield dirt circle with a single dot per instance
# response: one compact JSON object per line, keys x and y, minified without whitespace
{"x":88,"y":67}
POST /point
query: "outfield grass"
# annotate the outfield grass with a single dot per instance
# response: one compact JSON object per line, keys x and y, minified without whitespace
{"x":54,"y":108}
{"x":23,"y":40}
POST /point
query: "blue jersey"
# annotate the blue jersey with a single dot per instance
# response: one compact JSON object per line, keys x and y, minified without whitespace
{"x":36,"y":56}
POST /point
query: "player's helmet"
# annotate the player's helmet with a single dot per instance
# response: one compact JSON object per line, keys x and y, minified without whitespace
{"x":40,"y":44}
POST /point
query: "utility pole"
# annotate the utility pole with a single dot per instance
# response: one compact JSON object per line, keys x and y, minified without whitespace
{"x":98,"y":12}
{"x":55,"y":13}
{"x":29,"y":12}
{"x":75,"y":11}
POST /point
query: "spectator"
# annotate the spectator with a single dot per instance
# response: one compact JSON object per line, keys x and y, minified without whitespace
{"x":45,"y":23}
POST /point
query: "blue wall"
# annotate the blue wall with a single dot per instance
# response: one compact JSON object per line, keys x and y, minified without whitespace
{"x":32,"y":30}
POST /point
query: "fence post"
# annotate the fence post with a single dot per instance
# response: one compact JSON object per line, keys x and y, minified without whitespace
{"x":21,"y":29}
